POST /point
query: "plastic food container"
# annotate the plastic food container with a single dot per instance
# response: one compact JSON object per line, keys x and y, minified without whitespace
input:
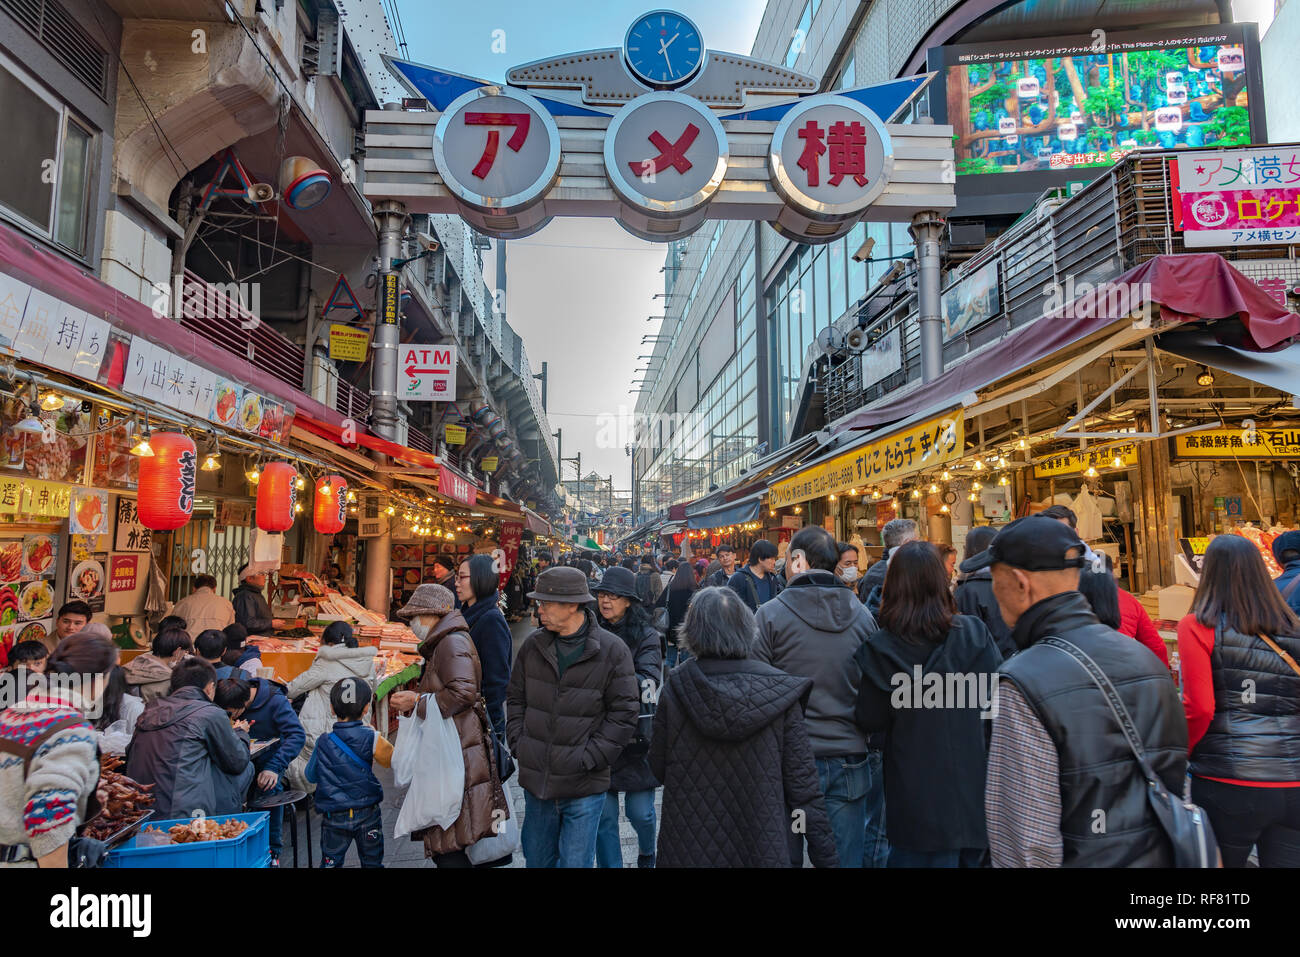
{"x":250,"y":849}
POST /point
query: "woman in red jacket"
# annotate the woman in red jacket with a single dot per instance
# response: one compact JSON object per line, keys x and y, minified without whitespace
{"x":1241,"y":693}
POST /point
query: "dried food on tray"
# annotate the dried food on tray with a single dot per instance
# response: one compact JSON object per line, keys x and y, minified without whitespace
{"x":128,"y":801}
{"x":201,"y":829}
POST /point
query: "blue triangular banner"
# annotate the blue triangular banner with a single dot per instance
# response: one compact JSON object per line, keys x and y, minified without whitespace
{"x":340,"y":296}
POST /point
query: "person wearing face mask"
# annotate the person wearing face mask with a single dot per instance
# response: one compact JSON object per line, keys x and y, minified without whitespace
{"x":49,"y":778}
{"x":846,"y":570}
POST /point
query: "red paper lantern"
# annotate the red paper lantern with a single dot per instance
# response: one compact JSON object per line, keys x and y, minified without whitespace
{"x":276,"y":497}
{"x":330,"y":512}
{"x":167,"y":482}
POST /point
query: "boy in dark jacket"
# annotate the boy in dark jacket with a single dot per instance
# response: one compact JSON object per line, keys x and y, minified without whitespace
{"x":270,"y":715}
{"x":185,"y":745}
{"x":347,"y":791}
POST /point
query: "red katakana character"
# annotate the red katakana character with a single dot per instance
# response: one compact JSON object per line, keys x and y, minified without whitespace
{"x":520,"y":121}
{"x":670,"y":154}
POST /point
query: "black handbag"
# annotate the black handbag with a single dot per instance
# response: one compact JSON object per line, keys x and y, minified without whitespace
{"x":500,"y":751}
{"x":1184,"y":823}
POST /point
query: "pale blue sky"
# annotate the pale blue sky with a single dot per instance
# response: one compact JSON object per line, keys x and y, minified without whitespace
{"x":580,"y":290}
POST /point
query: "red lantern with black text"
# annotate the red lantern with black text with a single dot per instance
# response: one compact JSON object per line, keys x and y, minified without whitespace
{"x":167,"y":482}
{"x":330,"y":511}
{"x":276,"y":497}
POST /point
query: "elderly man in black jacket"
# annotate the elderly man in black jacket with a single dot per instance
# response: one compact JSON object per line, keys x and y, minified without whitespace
{"x":185,"y":745}
{"x":571,"y":708}
{"x":251,"y":608}
{"x":974,"y":593}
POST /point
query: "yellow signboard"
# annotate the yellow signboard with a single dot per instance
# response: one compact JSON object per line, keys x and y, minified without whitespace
{"x":489,"y":463}
{"x":1098,"y":456}
{"x":20,"y":495}
{"x":1259,"y":443}
{"x":455,"y":434}
{"x":928,"y":445}
{"x":347,"y":343}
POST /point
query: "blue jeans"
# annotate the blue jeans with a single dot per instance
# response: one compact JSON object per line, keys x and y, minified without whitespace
{"x":876,"y":847}
{"x":845,"y":781}
{"x":675,"y":657}
{"x":960,"y":857}
{"x":338,"y":829}
{"x":640,"y":807}
{"x":560,"y":833}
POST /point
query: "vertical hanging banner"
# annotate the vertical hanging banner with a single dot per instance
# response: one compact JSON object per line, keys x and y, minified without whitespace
{"x":389,"y":299}
{"x":511,"y":534}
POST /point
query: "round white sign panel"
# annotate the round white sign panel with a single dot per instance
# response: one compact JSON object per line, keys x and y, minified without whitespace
{"x":830,"y":157}
{"x":665,"y":153}
{"x":497,"y":151}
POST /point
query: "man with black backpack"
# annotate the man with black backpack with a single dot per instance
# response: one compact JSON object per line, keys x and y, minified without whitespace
{"x":758,"y":581}
{"x":1064,"y":787}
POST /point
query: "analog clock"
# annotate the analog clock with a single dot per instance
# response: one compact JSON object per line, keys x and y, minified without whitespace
{"x":663,"y":49}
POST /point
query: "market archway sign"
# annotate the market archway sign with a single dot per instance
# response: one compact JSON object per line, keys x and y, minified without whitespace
{"x":661,"y":134}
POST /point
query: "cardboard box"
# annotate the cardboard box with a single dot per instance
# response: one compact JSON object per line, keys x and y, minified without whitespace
{"x":1175,"y":602}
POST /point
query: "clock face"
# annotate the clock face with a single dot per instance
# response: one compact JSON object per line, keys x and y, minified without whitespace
{"x":664,"y":49}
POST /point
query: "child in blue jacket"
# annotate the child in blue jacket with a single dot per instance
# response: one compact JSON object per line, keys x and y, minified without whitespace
{"x":270,"y":715}
{"x":347,"y":792}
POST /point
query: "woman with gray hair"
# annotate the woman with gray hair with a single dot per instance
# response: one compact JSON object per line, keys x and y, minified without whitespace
{"x":730,"y":745}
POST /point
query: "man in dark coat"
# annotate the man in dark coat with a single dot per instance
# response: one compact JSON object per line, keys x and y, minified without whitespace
{"x":758,"y":581}
{"x":732,"y":749}
{"x":974,"y":593}
{"x":251,"y":608}
{"x":571,"y":707}
{"x":622,"y":614}
{"x":727,"y":563}
{"x":185,"y":746}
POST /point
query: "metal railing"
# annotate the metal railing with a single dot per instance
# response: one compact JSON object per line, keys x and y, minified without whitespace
{"x":1121,"y":219}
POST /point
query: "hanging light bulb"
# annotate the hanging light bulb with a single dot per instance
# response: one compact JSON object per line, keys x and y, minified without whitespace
{"x":1022,"y":444}
{"x":300,"y":483}
{"x":853,"y":491}
{"x":771,"y":513}
{"x":976,"y":486}
{"x":52,"y":401}
{"x":253,"y":474}
{"x":897,"y":505}
{"x":1092,"y":471}
{"x":832,"y":497}
{"x":390,"y":510}
{"x":875,"y":494}
{"x":352,"y":497}
{"x":946,"y":476}
{"x":31,"y":425}
{"x":211,"y":461}
{"x":979,"y":464}
{"x":1002,"y":461}
{"x":1003,"y":480}
{"x":1117,"y":462}
{"x":798,"y":509}
{"x":944,"y":508}
{"x":324,"y":490}
{"x":972,"y":497}
{"x":916,"y":493}
{"x":934,"y":489}
{"x":143,"y":448}
{"x":297,"y":506}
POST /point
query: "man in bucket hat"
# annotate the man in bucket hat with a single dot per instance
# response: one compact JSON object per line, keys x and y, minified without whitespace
{"x":571,"y":708}
{"x":1063,"y":787}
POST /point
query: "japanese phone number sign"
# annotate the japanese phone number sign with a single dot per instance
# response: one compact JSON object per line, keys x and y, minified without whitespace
{"x":1242,"y":197}
{"x":928,"y":445}
{"x":1073,"y":462}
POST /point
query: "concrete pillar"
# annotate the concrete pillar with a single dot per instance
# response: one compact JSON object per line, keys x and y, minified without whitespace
{"x":927,"y":231}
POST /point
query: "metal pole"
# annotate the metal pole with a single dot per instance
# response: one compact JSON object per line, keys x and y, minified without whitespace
{"x":390,"y":221}
{"x":927,"y":230}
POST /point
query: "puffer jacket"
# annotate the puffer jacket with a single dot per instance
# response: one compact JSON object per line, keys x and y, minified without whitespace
{"x":813,"y":629}
{"x":1285,"y":581}
{"x":453,"y":676}
{"x":331,"y":664}
{"x":150,"y":676}
{"x":251,"y":609}
{"x":184,"y":745}
{"x":566,"y":732}
{"x":631,"y":770}
{"x":732,"y":749}
{"x":974,"y":597}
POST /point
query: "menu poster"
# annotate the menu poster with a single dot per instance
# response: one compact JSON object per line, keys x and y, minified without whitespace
{"x":87,"y":580}
{"x":88,"y":512}
{"x":39,"y":554}
{"x":114,"y":464}
{"x":123,"y":571}
{"x":131,"y":536}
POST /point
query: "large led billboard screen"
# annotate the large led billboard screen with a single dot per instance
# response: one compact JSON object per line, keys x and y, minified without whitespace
{"x":1064,"y":108}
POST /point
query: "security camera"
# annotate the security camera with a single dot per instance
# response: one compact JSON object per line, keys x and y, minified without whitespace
{"x":864,"y":251}
{"x":427,"y":242}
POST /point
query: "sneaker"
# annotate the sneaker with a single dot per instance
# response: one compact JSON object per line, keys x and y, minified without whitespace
{"x":275,"y":862}
{"x":645,"y":860}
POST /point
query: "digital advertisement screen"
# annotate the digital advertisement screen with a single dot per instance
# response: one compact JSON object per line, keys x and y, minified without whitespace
{"x":1069,"y":107}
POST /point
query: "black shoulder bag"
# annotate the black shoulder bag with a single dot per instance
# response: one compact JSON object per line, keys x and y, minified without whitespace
{"x":1185,"y":824}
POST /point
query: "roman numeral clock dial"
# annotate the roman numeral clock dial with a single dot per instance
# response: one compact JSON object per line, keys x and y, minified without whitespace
{"x":663,"y":49}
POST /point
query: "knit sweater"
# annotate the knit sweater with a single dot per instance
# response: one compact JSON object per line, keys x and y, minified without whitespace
{"x":45,"y":810}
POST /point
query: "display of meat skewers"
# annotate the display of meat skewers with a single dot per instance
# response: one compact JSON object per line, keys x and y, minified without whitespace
{"x":127,"y":800}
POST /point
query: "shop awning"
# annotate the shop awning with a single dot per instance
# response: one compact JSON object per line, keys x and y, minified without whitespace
{"x":672,"y":528}
{"x":535,"y":523}
{"x":733,"y":513}
{"x":1279,"y":369}
{"x":1190,"y":287}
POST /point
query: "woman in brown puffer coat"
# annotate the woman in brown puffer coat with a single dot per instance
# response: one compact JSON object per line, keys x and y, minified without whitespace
{"x":454,"y":679}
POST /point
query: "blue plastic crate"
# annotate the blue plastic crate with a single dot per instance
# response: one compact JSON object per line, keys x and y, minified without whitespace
{"x":250,"y":849}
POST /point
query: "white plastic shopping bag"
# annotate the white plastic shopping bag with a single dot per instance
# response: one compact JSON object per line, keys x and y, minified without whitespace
{"x":435,"y":768}
{"x":504,"y":841}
